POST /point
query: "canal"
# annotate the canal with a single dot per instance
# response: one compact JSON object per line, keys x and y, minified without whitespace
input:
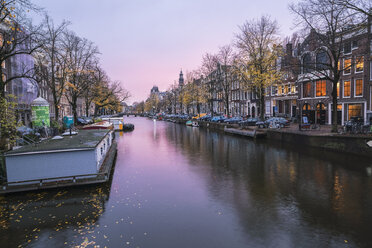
{"x":184,"y":187}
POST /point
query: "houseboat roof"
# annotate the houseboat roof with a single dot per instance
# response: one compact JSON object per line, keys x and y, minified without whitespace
{"x":84,"y":140}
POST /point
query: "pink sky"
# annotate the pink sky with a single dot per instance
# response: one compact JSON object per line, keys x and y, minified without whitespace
{"x":146,"y":43}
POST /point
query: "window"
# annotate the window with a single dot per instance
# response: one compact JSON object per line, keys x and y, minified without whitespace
{"x":347,"y":47}
{"x":286,"y":89}
{"x":3,"y":65}
{"x":321,"y":88}
{"x":354,"y":110}
{"x":347,"y":66}
{"x":306,"y":63}
{"x":354,"y":44}
{"x":321,"y":60}
{"x":306,"y":89}
{"x":279,"y":90}
{"x":359,"y":64}
{"x":293,"y":89}
{"x":338,"y":89}
{"x":358,"y":87}
{"x":274,"y":90}
{"x":347,"y":89}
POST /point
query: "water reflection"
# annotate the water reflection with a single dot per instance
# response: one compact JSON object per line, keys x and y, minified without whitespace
{"x":178,"y":186}
{"x":53,"y":217}
{"x":283,"y":196}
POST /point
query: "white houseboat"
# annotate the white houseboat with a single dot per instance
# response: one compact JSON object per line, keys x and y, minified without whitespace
{"x":84,"y":158}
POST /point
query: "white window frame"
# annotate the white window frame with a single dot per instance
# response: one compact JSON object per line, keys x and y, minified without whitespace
{"x":355,"y":69}
{"x":343,"y":66}
{"x":355,"y":86}
{"x":343,"y":87}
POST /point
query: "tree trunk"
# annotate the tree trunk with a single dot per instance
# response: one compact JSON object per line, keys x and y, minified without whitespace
{"x":334,"y":107}
{"x":74,"y":109}
{"x":262,"y":105}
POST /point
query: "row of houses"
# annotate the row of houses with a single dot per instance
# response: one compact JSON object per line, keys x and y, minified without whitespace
{"x":302,"y":91}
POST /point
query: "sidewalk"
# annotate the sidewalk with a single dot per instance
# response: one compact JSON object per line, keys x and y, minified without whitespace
{"x":325,"y":130}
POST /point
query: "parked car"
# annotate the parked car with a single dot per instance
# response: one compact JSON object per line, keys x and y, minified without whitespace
{"x":233,"y":120}
{"x":199,"y":116}
{"x":81,"y":121}
{"x":205,"y":118}
{"x":249,"y":122}
{"x":218,"y":119}
{"x":272,"y":122}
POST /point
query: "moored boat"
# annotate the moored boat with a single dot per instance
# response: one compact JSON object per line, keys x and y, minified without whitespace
{"x":188,"y":123}
{"x":99,"y":125}
{"x":84,"y":158}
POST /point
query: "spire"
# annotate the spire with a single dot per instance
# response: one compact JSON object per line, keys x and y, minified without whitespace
{"x":180,"y":80}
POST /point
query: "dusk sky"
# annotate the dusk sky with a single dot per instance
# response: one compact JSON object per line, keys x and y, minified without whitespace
{"x":146,"y":43}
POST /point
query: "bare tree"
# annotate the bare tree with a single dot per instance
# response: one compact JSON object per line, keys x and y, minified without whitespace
{"x":329,"y":23}
{"x":258,"y":46}
{"x":78,"y":54}
{"x":225,"y":73}
{"x":18,"y":37}
{"x":207,"y":70}
{"x":363,"y":7}
{"x":48,"y":60}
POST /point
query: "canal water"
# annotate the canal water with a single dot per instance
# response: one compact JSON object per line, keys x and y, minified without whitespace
{"x":177,"y":186}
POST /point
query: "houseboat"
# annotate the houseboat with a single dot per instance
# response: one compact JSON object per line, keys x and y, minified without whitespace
{"x":84,"y":158}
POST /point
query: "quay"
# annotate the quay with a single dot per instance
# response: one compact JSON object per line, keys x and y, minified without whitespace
{"x":324,"y":139}
{"x":85,"y":158}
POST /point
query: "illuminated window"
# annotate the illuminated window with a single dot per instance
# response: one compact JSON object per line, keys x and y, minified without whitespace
{"x":354,"y":110}
{"x":347,"y":66}
{"x":321,"y":88}
{"x":359,"y":64}
{"x":338,"y":89}
{"x":3,"y":64}
{"x":306,"y":89}
{"x":293,"y":89}
{"x":279,"y":89}
{"x":347,"y":89}
{"x":359,"y":87}
{"x":286,"y":89}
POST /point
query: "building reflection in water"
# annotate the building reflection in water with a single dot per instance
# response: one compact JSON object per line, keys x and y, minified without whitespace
{"x":276,"y":185}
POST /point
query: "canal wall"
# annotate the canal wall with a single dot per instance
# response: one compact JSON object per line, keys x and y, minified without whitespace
{"x":356,"y":145}
{"x":345,"y":144}
{"x":213,"y":125}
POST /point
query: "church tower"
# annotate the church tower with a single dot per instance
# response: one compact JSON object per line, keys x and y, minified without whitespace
{"x":180,"y":80}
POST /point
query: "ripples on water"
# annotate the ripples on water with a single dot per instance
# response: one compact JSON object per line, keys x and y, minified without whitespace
{"x":177,"y":186}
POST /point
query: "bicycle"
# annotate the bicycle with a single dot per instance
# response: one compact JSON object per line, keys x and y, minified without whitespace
{"x":315,"y":126}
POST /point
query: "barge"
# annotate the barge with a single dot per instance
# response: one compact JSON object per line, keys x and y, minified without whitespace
{"x":85,"y":158}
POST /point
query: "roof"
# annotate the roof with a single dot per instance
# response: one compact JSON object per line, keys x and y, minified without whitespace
{"x":84,"y":140}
